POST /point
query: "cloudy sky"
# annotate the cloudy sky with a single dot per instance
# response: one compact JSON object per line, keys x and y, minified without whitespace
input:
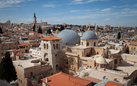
{"x":101,"y":12}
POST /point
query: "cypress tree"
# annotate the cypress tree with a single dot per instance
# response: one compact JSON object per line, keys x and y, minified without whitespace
{"x":40,"y":30}
{"x":7,"y":70}
{"x":34,"y":27}
{"x":1,"y":32}
{"x":119,"y":35}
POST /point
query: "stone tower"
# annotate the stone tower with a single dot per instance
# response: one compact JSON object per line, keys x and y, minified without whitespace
{"x":50,"y":48}
{"x":34,"y":19}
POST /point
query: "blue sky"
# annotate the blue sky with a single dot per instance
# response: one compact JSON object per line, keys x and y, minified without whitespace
{"x":101,"y":12}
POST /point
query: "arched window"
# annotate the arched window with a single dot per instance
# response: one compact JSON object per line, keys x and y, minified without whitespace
{"x":56,"y":46}
{"x":44,"y":46}
{"x":134,"y":49}
{"x":45,"y":54}
{"x":131,"y":48}
{"x":66,"y":61}
{"x":87,"y":43}
{"x":31,"y":74}
{"x":94,"y":43}
{"x":47,"y":59}
{"x":47,"y":46}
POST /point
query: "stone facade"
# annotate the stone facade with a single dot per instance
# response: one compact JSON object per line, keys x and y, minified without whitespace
{"x":133,"y":48}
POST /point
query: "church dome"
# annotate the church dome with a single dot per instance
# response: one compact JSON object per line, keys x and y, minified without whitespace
{"x":101,"y":60}
{"x":69,"y":37}
{"x":89,"y":35}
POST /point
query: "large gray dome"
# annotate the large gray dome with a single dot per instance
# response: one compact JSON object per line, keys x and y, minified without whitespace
{"x":89,"y":35}
{"x":69,"y":37}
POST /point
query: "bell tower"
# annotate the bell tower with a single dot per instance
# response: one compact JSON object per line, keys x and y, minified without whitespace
{"x":34,"y":19}
{"x":50,"y":48}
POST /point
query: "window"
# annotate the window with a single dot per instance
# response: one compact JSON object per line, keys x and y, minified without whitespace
{"x":44,"y":46}
{"x":87,"y":43}
{"x":66,"y":61}
{"x":115,"y":61}
{"x":47,"y":59}
{"x":45,"y":54}
{"x":56,"y":46}
{"x":94,"y":43}
{"x":47,"y":46}
{"x":56,"y":66}
{"x":131,"y":48}
{"x":134,"y":48}
{"x":31,"y":74}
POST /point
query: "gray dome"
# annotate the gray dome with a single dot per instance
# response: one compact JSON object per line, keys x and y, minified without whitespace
{"x":69,"y":37}
{"x":89,"y":35}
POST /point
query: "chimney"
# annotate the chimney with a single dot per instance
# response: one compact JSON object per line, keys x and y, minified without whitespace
{"x":46,"y":79}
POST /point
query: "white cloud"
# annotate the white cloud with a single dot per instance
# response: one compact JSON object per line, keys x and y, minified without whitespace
{"x":135,"y":5}
{"x":11,"y":3}
{"x":122,"y":6}
{"x":107,"y":9}
{"x":83,"y":1}
{"x":94,"y":0}
{"x":126,"y":9}
{"x":73,"y":11}
{"x":107,"y":19}
{"x":49,"y":5}
{"x":117,"y":17}
{"x":78,"y":0}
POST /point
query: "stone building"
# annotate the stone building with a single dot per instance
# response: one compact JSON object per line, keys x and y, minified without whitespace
{"x":67,"y":53}
{"x":6,"y":45}
{"x":50,"y":49}
{"x":133,"y":48}
{"x":31,"y":71}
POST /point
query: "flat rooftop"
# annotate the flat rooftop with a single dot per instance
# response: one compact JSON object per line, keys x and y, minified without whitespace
{"x":26,"y":63}
{"x":104,"y":74}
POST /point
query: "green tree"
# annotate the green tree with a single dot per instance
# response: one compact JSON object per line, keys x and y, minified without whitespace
{"x":54,"y":29}
{"x":1,"y":32}
{"x":7,"y":70}
{"x":118,"y":35}
{"x":40,"y":30}
{"x":61,"y":28}
{"x":49,"y":31}
{"x":34,"y":27}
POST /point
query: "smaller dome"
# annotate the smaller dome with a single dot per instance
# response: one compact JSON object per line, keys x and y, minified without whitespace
{"x":101,"y":60}
{"x":89,"y":35}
